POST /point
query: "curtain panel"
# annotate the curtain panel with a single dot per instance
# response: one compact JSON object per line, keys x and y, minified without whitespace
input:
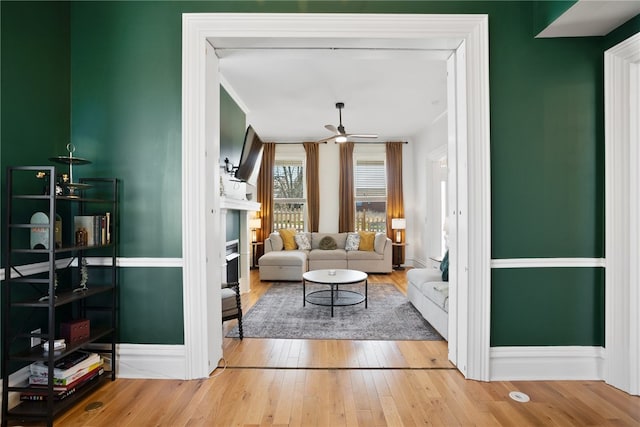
{"x":265,"y":190}
{"x":395,"y":197}
{"x":346,"y":215}
{"x":313,"y":185}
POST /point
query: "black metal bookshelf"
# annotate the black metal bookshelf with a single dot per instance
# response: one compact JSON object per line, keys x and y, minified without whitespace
{"x":56,"y":281}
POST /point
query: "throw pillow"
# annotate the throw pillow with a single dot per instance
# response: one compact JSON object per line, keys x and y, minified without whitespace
{"x":328,"y":243}
{"x":444,"y":266}
{"x":303,"y":241}
{"x":288,"y":238}
{"x":367,"y":239}
{"x":353,"y":242}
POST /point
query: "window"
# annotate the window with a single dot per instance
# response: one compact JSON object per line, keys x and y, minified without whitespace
{"x":289,"y":193}
{"x":370,"y":180}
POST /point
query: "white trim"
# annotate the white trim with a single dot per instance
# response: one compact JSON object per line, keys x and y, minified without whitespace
{"x":622,"y":212}
{"x":197,"y":28}
{"x":20,"y":376}
{"x":30,"y":269}
{"x":548,"y":262}
{"x":138,"y":262}
{"x":547,"y":363}
{"x":150,"y":361}
{"x":478,"y":204}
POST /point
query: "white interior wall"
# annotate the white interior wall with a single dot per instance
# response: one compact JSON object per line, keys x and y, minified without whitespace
{"x":329,"y":187}
{"x":422,"y":192}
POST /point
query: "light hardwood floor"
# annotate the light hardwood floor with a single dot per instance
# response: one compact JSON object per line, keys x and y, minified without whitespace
{"x":264,"y":382}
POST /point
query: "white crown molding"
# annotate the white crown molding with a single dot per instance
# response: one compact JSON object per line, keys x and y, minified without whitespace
{"x":547,"y":363}
{"x":548,"y":262}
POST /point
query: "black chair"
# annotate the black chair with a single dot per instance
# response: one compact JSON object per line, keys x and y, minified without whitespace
{"x":231,"y":304}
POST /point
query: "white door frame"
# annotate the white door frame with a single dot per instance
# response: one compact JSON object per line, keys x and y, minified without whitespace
{"x":622,"y":215}
{"x":200,"y":159}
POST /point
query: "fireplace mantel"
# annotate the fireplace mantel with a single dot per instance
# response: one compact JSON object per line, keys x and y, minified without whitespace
{"x":238,"y":205}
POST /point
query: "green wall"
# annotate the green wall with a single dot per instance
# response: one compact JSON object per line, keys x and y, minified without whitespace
{"x":35,"y":87}
{"x":546,"y":149}
{"x":545,"y":12}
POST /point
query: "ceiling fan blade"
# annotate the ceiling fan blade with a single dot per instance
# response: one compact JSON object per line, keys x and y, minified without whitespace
{"x":361,"y":135}
{"x":331,"y":128}
{"x":320,"y":141}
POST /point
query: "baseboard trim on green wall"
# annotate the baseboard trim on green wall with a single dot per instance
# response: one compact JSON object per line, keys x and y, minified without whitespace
{"x":150,"y":361}
{"x":547,"y":363}
{"x":548,"y":262}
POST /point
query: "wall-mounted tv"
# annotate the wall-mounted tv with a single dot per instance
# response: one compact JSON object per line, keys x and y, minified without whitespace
{"x":251,"y":157}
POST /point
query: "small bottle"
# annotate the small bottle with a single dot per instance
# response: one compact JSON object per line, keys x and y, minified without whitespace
{"x":81,"y":237}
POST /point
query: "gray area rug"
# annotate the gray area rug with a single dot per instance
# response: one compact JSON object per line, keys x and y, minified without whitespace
{"x":390,"y":316}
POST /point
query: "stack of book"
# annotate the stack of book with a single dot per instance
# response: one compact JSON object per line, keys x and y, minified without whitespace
{"x":96,"y":227}
{"x":70,"y":373}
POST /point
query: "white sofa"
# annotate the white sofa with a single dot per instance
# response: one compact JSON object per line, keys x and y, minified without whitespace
{"x":430,"y":295}
{"x":278,"y":264}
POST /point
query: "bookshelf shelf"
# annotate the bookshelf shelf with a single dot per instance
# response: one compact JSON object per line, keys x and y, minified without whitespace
{"x":82,"y":277}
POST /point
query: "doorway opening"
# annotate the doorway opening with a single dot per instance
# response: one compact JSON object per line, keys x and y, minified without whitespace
{"x":202,"y":251}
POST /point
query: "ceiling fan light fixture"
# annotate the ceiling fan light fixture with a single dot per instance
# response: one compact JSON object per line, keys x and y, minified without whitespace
{"x":341,"y":139}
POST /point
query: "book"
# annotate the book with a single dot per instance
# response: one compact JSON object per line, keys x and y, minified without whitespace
{"x":70,"y":360}
{"x":40,"y":393}
{"x":62,"y":383}
{"x":41,"y":368}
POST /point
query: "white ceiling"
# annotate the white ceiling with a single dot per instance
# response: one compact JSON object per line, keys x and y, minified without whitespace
{"x":592,"y":18}
{"x":390,"y":89}
{"x":393,"y":88}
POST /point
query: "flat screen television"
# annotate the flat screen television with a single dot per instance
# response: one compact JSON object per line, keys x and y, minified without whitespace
{"x":250,"y":158}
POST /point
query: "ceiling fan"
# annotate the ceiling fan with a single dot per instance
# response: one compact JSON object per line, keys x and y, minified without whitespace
{"x":340,"y":135}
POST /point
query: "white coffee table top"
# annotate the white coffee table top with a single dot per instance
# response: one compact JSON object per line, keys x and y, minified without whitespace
{"x":341,"y":277}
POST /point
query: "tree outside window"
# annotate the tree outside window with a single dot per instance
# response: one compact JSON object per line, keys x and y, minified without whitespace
{"x":289,"y":200}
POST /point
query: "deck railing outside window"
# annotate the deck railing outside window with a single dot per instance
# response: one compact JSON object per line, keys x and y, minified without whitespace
{"x":288,"y":215}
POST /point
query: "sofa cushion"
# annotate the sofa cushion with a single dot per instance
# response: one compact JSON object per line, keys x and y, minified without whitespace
{"x":303,"y":240}
{"x":288,"y":238}
{"x":423,"y":275}
{"x":364,"y":255}
{"x":283,"y":258}
{"x":379,"y":241}
{"x":328,"y":255}
{"x":367,"y":239}
{"x":438,"y":292}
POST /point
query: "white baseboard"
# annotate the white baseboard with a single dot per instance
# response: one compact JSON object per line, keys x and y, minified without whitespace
{"x":150,"y":361}
{"x":547,"y":363}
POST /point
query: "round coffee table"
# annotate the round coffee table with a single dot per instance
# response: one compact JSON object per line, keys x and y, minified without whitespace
{"x":334,"y":296}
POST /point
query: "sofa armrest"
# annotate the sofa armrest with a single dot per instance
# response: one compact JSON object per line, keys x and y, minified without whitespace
{"x":388,"y":249}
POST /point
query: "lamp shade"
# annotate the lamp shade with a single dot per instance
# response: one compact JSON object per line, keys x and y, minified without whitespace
{"x":255,"y":223}
{"x":398,"y":223}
